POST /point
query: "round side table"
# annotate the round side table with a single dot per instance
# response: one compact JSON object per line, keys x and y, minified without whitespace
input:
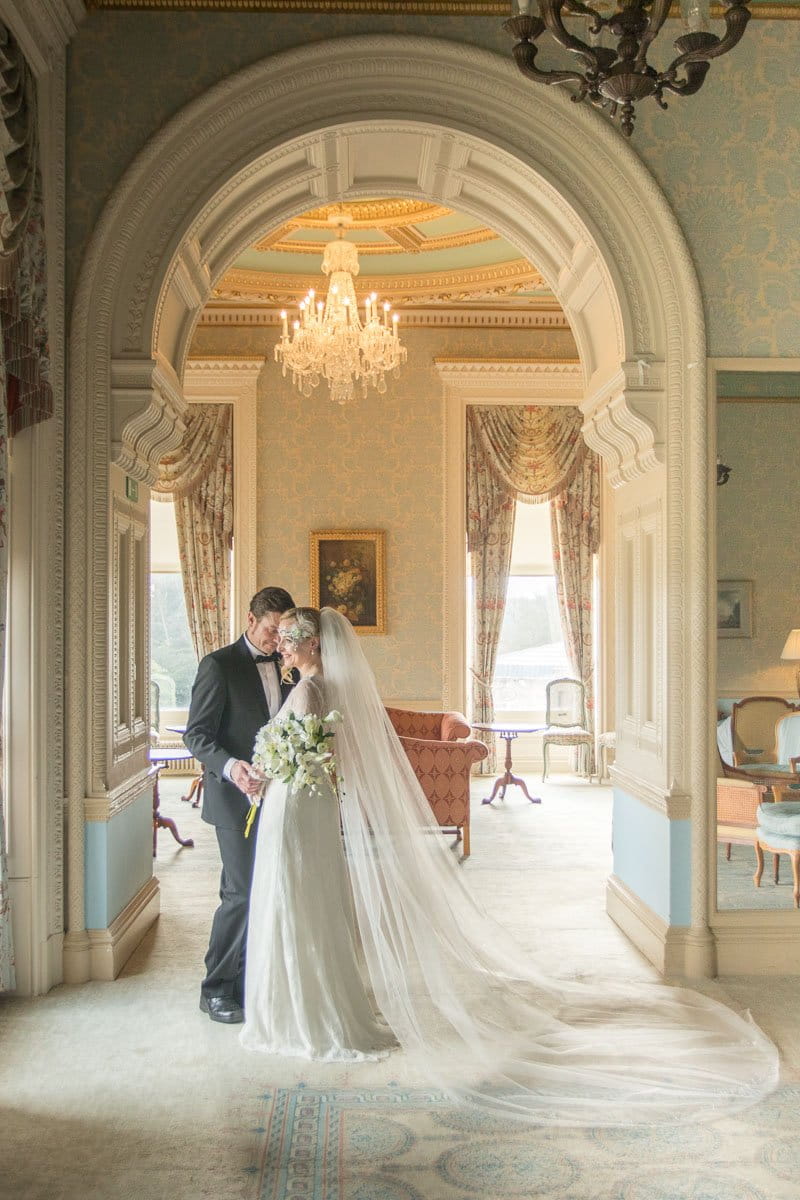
{"x":508,"y":731}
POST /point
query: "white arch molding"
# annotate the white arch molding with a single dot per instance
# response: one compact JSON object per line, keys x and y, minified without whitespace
{"x":421,"y":118}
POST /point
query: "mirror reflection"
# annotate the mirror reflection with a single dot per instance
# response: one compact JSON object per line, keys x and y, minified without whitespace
{"x":758,"y":632}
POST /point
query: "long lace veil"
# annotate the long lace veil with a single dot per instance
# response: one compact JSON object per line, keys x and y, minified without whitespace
{"x":479,"y":1020}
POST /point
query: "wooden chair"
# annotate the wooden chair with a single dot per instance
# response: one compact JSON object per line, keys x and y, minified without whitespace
{"x":566,"y":721}
{"x":753,"y":722}
{"x":442,"y":755}
{"x":737,"y":812}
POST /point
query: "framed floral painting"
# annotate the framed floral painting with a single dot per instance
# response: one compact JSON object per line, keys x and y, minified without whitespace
{"x":348,"y":573}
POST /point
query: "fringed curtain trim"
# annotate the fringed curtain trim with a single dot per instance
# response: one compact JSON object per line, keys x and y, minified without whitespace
{"x":533,"y":453}
{"x":534,"y":450}
{"x":198,"y":476}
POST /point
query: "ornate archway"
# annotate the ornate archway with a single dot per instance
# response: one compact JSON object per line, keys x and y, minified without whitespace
{"x":430,"y":119}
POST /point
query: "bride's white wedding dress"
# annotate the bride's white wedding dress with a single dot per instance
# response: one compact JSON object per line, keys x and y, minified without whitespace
{"x":477,"y":1017}
{"x":304,"y":992}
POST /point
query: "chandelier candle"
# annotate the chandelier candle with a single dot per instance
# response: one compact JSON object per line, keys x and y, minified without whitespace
{"x":329,"y":341}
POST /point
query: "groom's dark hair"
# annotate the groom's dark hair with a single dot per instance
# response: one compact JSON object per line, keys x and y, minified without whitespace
{"x":270,"y":600}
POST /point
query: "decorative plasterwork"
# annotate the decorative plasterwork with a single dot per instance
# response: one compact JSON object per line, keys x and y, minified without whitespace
{"x":43,"y":29}
{"x":148,"y":410}
{"x":625,"y":419}
{"x":518,"y":381}
{"x":785,"y":12}
{"x":502,"y":279}
{"x":514,"y":158}
{"x":103,"y":808}
{"x":230,"y":314}
{"x":386,"y":212}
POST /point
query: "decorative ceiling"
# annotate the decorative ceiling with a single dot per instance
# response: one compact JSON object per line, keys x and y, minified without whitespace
{"x":766,"y":9}
{"x":412,"y":253}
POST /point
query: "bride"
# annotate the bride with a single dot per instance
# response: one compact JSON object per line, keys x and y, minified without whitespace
{"x":362,"y":935}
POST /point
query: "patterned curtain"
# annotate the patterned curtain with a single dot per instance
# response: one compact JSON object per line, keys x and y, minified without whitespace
{"x":198,"y":476}
{"x":575,"y":525}
{"x":23,"y":260}
{"x":530,"y":453}
{"x":490,"y":531}
{"x":7,"y":976}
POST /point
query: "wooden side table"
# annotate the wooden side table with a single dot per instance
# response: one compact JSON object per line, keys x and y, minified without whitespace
{"x":508,"y":731}
{"x":163,"y":757}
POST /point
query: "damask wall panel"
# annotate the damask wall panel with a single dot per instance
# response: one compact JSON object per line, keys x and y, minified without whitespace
{"x":376,"y":464}
{"x":728,"y":159}
{"x":757,"y":540}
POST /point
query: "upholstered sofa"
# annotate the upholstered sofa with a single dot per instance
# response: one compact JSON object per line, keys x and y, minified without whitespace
{"x":442,"y":755}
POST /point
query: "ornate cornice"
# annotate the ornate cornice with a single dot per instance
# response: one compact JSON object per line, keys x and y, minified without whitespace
{"x":405,"y":239}
{"x":230,"y":315}
{"x":488,"y":8}
{"x":43,"y":29}
{"x":477,"y":283}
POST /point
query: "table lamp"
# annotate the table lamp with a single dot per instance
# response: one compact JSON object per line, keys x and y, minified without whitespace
{"x":791,"y":652}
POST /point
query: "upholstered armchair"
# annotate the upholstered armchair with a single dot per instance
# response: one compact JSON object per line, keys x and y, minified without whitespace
{"x":442,"y":763}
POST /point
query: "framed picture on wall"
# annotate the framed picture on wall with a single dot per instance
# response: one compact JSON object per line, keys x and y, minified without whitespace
{"x":348,"y":572}
{"x":734,"y":608}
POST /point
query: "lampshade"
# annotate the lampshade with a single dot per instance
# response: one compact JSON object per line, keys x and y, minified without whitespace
{"x":791,"y":650}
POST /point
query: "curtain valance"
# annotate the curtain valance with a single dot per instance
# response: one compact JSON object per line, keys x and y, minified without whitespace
{"x":535,"y":450}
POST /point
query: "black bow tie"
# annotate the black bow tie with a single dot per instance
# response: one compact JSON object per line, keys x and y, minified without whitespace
{"x":259,"y":658}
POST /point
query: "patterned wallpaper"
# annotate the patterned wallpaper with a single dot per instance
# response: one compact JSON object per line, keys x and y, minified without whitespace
{"x":757,"y":540}
{"x":374,"y":465}
{"x":728,"y":159}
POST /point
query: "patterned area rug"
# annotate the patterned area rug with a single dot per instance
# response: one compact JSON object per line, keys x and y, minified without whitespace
{"x":398,"y":1144}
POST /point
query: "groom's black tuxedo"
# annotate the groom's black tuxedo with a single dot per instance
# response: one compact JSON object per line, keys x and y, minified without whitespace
{"x":227,"y":709}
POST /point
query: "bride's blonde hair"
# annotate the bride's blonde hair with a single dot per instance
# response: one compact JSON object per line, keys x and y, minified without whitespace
{"x":305,"y":621}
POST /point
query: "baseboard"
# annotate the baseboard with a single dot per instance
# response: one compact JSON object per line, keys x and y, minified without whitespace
{"x":664,"y":945}
{"x":757,"y":943}
{"x":111,"y":948}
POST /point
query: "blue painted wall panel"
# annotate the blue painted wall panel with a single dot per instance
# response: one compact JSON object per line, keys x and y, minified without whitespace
{"x":652,"y":857}
{"x":119,"y":860}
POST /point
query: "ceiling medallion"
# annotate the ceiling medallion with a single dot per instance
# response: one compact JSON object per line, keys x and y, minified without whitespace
{"x":329,"y":340}
{"x":615,"y":77}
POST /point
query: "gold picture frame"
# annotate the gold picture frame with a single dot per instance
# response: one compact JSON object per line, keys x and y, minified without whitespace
{"x":348,"y":573}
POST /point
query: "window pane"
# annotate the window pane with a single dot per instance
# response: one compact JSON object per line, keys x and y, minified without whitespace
{"x":531,"y":650}
{"x":173,"y":663}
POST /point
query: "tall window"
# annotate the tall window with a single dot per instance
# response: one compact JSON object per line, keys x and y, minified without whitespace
{"x":173,"y":662}
{"x":531,"y":650}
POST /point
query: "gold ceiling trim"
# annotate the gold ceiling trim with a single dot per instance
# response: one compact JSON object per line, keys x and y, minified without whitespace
{"x":544,"y":317}
{"x":407,"y":242}
{"x":488,"y":8}
{"x":364,"y":214}
{"x":285,"y":289}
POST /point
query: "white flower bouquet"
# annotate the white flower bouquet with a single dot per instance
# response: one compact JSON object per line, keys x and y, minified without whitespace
{"x":295,"y":750}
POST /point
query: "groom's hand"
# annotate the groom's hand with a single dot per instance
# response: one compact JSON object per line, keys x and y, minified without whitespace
{"x":240,"y":774}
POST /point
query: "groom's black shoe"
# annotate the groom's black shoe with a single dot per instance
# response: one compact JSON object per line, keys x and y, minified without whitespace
{"x":222,"y":1008}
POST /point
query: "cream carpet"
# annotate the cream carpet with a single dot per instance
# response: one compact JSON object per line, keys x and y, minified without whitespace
{"x":127,"y":1090}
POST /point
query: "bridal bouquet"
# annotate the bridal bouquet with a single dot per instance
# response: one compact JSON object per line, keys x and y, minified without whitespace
{"x":296,"y":750}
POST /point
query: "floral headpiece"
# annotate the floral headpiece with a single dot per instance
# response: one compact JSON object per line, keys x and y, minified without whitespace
{"x":299,"y":632}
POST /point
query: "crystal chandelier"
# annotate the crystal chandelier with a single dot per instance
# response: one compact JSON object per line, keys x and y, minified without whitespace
{"x":615,"y":78}
{"x":329,"y":340}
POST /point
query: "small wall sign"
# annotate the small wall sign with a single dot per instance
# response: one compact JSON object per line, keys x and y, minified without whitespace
{"x":132,"y":489}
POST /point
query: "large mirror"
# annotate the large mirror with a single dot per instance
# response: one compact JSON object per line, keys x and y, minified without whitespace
{"x":758,"y":608}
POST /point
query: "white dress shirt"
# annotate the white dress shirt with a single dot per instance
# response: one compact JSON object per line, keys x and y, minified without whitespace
{"x":272,"y":692}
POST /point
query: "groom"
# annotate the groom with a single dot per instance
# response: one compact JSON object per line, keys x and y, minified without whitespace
{"x":237,"y":690}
